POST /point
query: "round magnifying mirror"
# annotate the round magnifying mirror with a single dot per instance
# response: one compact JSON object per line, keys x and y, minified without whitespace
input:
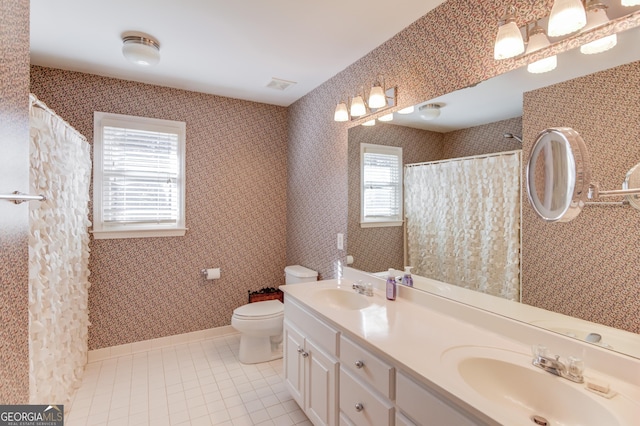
{"x":558,"y":174}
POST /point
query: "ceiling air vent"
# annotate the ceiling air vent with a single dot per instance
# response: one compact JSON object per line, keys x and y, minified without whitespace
{"x":279,"y":84}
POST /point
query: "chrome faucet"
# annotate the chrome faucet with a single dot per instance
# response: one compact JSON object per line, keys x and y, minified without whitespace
{"x":572,"y":370}
{"x":366,"y":289}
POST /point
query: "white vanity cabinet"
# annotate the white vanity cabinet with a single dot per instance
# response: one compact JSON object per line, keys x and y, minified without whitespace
{"x":424,"y":407}
{"x":335,"y":379}
{"x":310,"y":366}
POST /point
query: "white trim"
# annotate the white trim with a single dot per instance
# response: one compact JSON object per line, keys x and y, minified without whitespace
{"x":161,"y":342}
{"x":139,"y":233}
{"x":109,"y":231}
{"x":380,"y":224}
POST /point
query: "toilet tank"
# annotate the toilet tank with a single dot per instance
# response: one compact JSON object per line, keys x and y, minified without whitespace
{"x":295,"y":274}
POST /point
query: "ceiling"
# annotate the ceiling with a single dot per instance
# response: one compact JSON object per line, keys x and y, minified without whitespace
{"x":221,"y":47}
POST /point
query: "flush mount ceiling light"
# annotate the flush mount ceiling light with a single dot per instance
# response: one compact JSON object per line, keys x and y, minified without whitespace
{"x":596,"y":16}
{"x":538,"y":40}
{"x":429,"y":111}
{"x":509,"y":42}
{"x":566,"y":17}
{"x":141,"y":50}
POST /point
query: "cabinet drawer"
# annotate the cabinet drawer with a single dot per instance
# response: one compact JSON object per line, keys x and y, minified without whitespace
{"x":323,"y":335}
{"x":361,"y":405}
{"x":368,"y":367}
{"x":424,"y":407}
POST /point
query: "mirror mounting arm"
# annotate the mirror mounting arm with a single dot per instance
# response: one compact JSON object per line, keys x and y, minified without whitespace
{"x":594,"y":191}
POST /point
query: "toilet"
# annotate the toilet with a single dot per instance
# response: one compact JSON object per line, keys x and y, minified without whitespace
{"x":260,"y":323}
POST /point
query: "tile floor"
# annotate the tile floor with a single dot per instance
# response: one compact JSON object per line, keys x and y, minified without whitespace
{"x":198,"y":383}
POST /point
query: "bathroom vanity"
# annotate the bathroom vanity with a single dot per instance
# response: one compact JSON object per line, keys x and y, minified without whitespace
{"x":352,"y":359}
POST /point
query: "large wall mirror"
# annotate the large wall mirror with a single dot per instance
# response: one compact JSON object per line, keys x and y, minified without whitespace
{"x":491,"y":117}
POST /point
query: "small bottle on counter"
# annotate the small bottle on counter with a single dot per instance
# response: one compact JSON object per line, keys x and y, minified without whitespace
{"x":407,"y":279}
{"x":391,"y":286}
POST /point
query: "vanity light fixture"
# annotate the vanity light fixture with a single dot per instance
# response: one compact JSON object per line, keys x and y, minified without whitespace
{"x":596,"y":16}
{"x":429,"y":112}
{"x":341,"y":113}
{"x":141,"y":50}
{"x":378,"y":100}
{"x":509,"y":42}
{"x":377,"y":96}
{"x":358,"y":107}
{"x":538,"y":40}
{"x":567,"y":16}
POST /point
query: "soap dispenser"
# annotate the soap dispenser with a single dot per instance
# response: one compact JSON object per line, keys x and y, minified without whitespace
{"x":391,"y":285}
{"x":407,"y":279}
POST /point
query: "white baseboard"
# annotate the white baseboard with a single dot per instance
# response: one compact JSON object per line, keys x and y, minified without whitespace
{"x":161,"y":342}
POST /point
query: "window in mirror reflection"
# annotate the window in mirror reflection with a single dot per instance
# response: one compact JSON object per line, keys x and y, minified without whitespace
{"x":381,"y":185}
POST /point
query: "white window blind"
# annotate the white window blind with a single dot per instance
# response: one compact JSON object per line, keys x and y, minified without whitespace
{"x":381,"y":180}
{"x":139,"y":177}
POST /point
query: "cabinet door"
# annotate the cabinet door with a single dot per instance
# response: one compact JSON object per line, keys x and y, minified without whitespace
{"x":293,"y":363}
{"x":322,"y":391}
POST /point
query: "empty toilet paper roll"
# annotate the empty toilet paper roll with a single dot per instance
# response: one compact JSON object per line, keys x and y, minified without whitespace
{"x":212,"y":273}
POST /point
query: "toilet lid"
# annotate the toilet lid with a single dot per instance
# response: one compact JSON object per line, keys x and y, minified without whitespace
{"x":266,"y":309}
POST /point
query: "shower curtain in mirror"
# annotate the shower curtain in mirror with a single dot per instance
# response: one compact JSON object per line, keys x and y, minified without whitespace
{"x":58,"y":257}
{"x":463,"y":222}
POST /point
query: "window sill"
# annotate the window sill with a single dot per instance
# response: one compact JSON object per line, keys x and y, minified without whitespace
{"x":380,"y":224}
{"x":139,"y":233}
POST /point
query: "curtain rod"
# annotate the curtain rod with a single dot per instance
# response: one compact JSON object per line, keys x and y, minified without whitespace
{"x":473,"y":157}
{"x":35,"y":102}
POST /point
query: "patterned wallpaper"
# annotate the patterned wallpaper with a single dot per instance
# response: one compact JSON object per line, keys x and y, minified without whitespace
{"x":376,"y":249}
{"x":448,"y":49}
{"x":14,"y":219}
{"x":596,"y":253}
{"x":483,"y":139}
{"x":236,"y":209}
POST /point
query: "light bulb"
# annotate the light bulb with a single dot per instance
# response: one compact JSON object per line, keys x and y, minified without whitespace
{"x":407,"y":110}
{"x":377,"y":98}
{"x":538,"y":40}
{"x":358,"y":108}
{"x":597,"y":16}
{"x":341,"y":113}
{"x":509,"y":41}
{"x":566,"y":17}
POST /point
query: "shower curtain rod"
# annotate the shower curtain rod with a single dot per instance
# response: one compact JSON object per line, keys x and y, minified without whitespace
{"x":472,"y":157}
{"x":34,"y":101}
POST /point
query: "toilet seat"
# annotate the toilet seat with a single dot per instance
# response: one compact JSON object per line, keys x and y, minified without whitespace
{"x":260,"y":310}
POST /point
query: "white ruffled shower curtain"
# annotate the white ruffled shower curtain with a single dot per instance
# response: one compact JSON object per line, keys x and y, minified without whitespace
{"x":58,"y":257}
{"x":463,"y":222}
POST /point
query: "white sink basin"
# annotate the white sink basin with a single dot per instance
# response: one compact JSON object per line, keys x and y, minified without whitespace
{"x":509,"y":382}
{"x":342,"y":299}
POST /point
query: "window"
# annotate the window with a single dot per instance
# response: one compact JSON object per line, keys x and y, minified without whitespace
{"x":381,"y":185}
{"x":138,"y":180}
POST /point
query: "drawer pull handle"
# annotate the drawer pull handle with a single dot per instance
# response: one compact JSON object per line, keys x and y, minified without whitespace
{"x":304,"y":354}
{"x":300,"y":350}
{"x":359,"y":406}
{"x":359,"y":364}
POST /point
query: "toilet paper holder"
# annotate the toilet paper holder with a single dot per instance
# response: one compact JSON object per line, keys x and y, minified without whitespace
{"x":210,"y":274}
